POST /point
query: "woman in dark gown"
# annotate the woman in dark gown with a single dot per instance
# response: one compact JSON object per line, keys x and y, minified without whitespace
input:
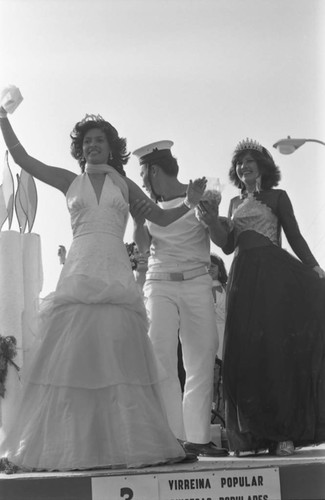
{"x":274,"y":355}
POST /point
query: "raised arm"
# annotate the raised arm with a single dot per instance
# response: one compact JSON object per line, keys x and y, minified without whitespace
{"x":164,"y":217}
{"x":57,"y":177}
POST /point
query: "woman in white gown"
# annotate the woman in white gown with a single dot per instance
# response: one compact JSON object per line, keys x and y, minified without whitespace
{"x":90,"y":396}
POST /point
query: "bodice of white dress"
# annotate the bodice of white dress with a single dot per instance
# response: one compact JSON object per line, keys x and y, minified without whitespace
{"x":109,"y":215}
{"x":254,"y":215}
{"x":97,"y":268}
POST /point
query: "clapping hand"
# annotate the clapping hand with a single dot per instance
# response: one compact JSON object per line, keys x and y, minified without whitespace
{"x":195,"y":190}
{"x":208,"y":212}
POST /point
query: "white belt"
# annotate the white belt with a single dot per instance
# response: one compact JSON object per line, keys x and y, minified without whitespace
{"x":178,"y":276}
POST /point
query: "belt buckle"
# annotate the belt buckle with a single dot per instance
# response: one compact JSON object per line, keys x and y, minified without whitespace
{"x":176,"y":276}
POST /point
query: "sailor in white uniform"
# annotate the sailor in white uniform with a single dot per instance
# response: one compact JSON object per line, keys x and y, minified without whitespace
{"x":179,"y":300}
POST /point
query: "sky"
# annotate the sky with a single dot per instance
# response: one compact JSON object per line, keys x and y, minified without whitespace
{"x":202,"y":73}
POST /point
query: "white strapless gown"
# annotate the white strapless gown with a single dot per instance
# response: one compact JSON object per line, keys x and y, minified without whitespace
{"x":91,"y":390}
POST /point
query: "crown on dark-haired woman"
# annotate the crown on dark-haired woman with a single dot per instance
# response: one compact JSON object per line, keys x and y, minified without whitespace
{"x":248,"y":144}
{"x":92,"y":118}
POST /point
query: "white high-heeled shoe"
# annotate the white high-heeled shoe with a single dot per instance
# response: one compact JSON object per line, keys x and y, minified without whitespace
{"x":284,"y":449}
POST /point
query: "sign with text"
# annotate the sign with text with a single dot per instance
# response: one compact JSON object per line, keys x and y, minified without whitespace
{"x":125,"y":488}
{"x":244,"y":484}
{"x":247,"y":484}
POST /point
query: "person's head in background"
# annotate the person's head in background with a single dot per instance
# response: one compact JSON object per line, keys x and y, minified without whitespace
{"x":218,"y":270}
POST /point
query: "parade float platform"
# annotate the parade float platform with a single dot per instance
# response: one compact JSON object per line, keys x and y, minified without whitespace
{"x":299,"y":477}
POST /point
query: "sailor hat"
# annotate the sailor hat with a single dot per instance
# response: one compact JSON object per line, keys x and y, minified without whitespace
{"x":154,"y":151}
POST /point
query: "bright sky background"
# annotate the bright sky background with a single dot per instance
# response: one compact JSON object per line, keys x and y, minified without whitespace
{"x":203,"y":73}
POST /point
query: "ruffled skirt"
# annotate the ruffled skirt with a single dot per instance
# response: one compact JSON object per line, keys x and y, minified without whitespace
{"x":91,"y":388}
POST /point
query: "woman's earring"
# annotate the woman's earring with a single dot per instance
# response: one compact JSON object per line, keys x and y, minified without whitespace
{"x":258,"y":184}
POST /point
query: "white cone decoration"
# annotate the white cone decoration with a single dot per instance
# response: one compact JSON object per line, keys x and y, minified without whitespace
{"x":21,"y":279}
{"x":20,"y":286}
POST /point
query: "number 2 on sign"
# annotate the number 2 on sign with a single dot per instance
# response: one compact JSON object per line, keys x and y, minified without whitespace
{"x":137,"y":487}
{"x":126,"y":493}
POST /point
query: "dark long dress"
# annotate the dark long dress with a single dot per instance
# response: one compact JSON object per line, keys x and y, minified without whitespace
{"x":274,"y":354}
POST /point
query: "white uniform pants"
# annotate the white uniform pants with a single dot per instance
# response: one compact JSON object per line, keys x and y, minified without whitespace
{"x":185,"y":308}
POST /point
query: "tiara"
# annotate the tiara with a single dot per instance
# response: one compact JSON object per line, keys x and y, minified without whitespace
{"x":248,"y":144}
{"x":92,"y":118}
{"x":98,"y":119}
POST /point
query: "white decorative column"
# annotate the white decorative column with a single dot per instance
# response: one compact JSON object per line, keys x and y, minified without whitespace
{"x":21,"y":279}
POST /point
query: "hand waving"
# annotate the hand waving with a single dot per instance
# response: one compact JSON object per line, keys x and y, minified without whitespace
{"x":195,"y":190}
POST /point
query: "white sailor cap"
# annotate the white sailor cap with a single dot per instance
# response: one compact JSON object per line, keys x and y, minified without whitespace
{"x":154,"y":151}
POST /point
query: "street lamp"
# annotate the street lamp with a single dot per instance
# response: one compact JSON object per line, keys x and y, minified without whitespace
{"x":290,"y":145}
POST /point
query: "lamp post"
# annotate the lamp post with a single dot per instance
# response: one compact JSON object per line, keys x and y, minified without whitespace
{"x":290,"y":145}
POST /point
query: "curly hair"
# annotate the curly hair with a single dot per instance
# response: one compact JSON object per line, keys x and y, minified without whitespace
{"x":270,"y":173}
{"x":117,"y":144}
